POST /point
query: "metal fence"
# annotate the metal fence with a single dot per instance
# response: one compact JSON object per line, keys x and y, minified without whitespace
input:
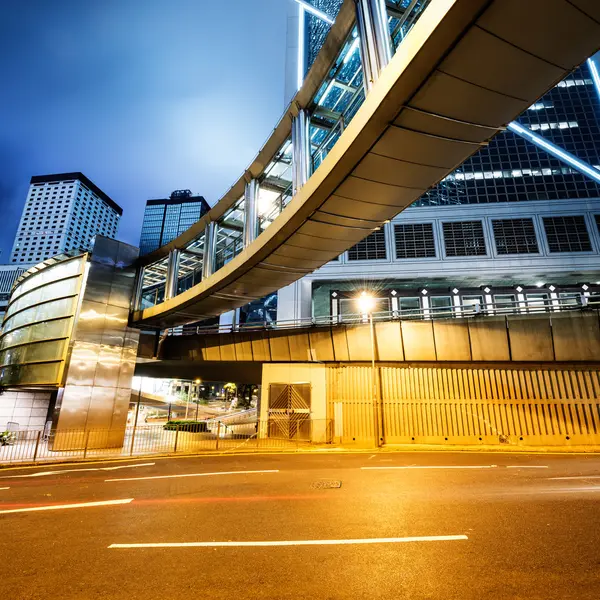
{"x":145,"y":440}
{"x":463,"y":311}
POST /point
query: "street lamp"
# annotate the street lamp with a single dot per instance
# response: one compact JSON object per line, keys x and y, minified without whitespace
{"x":366,"y":303}
{"x":197,"y":382}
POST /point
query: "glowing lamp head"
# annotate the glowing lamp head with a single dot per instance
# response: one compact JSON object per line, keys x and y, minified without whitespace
{"x":365,"y":303}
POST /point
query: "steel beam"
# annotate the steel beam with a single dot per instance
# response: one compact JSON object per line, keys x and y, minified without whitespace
{"x":375,"y":41}
{"x":250,"y":211}
{"x":300,"y":150}
{"x":210,"y":242}
{"x":172,"y":275}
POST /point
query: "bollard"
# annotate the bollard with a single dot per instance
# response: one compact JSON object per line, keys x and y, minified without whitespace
{"x":218,"y":434}
{"x":37,"y":445}
{"x":176,"y":438}
{"x":87,"y":439}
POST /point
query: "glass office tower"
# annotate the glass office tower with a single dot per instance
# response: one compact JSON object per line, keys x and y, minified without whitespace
{"x":166,"y":219}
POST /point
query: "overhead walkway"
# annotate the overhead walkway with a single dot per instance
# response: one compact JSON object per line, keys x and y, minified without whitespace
{"x":568,"y":336}
{"x":376,"y":128}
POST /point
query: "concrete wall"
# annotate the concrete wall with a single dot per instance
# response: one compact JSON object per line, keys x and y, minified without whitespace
{"x":28,"y":409}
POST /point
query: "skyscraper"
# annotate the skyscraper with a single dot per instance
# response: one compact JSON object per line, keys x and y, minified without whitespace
{"x":62,"y":212}
{"x":165,"y":219}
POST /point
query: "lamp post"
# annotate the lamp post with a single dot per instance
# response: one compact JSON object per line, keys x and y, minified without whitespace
{"x":197,"y":382}
{"x":366,"y":304}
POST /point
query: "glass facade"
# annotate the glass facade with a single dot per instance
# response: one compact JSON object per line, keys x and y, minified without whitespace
{"x":164,"y":220}
{"x":512,"y":169}
{"x":38,"y":324}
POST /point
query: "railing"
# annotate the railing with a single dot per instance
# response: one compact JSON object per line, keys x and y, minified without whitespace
{"x":464,"y":311}
{"x":145,"y":440}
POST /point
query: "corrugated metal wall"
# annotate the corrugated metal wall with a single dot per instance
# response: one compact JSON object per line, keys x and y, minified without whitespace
{"x":455,"y":405}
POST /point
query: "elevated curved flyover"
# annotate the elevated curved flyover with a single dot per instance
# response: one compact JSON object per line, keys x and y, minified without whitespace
{"x":465,"y":70}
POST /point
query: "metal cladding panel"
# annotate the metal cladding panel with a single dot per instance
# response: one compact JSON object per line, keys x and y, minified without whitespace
{"x":489,"y":339}
{"x":108,"y":366}
{"x":452,"y":340}
{"x":576,"y":337}
{"x":340,"y":343}
{"x":335,"y":232}
{"x":388,"y":341}
{"x":510,"y":71}
{"x":300,"y":240}
{"x":559,"y":40}
{"x":321,"y":344}
{"x":419,"y":343}
{"x":397,"y":172}
{"x":376,"y":193}
{"x":243,"y":346}
{"x":360,"y":346}
{"x":212,"y":347}
{"x":227,"y":344}
{"x":115,"y":326}
{"x":346,"y":207}
{"x":424,"y":149}
{"x":299,"y":346}
{"x":530,"y":338}
{"x":127,"y":368}
{"x":444,"y":127}
{"x":82,"y":364}
{"x":91,"y":322}
{"x":279,"y":346}
{"x":589,"y":7}
{"x":98,"y":285}
{"x":456,"y":99}
{"x":286,"y":261}
{"x":101,"y":408}
{"x":297,"y":252}
{"x":260,"y":347}
{"x":325,"y":217}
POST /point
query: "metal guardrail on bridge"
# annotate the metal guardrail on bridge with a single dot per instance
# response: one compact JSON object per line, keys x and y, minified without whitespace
{"x":464,"y":311}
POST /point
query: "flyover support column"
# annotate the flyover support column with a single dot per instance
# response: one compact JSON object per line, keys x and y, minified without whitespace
{"x":251,"y":211}
{"x":375,"y":41}
{"x":300,"y":150}
{"x":210,"y":242}
{"x":172,"y":275}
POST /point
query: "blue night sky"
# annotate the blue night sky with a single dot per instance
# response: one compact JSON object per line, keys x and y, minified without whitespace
{"x":142,"y":96}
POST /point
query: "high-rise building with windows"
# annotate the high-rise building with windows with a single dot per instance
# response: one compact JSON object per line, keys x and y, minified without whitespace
{"x":166,"y":219}
{"x":63,"y":212}
{"x":519,"y":219}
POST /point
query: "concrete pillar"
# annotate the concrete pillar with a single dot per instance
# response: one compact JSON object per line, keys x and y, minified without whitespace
{"x":210,"y":242}
{"x":375,"y":41}
{"x":300,"y":150}
{"x":139,"y":288}
{"x":294,"y":302}
{"x":251,"y":211}
{"x":172,"y":275}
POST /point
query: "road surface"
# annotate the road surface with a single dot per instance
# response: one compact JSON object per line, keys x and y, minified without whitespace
{"x":418,"y":526}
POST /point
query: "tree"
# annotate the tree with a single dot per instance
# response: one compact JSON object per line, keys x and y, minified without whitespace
{"x":230,"y":391}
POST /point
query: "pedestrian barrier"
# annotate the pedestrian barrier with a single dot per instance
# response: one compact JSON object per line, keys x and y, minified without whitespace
{"x":145,"y":440}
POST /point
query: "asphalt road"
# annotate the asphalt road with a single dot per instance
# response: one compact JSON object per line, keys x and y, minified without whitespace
{"x":453,"y":526}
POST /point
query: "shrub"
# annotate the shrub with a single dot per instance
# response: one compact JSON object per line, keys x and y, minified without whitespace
{"x":187,"y":426}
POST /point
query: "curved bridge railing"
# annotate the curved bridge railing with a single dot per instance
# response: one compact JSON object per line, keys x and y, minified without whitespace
{"x":399,"y":96}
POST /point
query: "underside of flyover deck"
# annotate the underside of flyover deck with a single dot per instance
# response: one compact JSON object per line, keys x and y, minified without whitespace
{"x":461,"y":74}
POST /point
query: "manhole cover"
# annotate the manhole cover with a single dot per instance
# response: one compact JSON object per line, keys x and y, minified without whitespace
{"x":326,"y":484}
